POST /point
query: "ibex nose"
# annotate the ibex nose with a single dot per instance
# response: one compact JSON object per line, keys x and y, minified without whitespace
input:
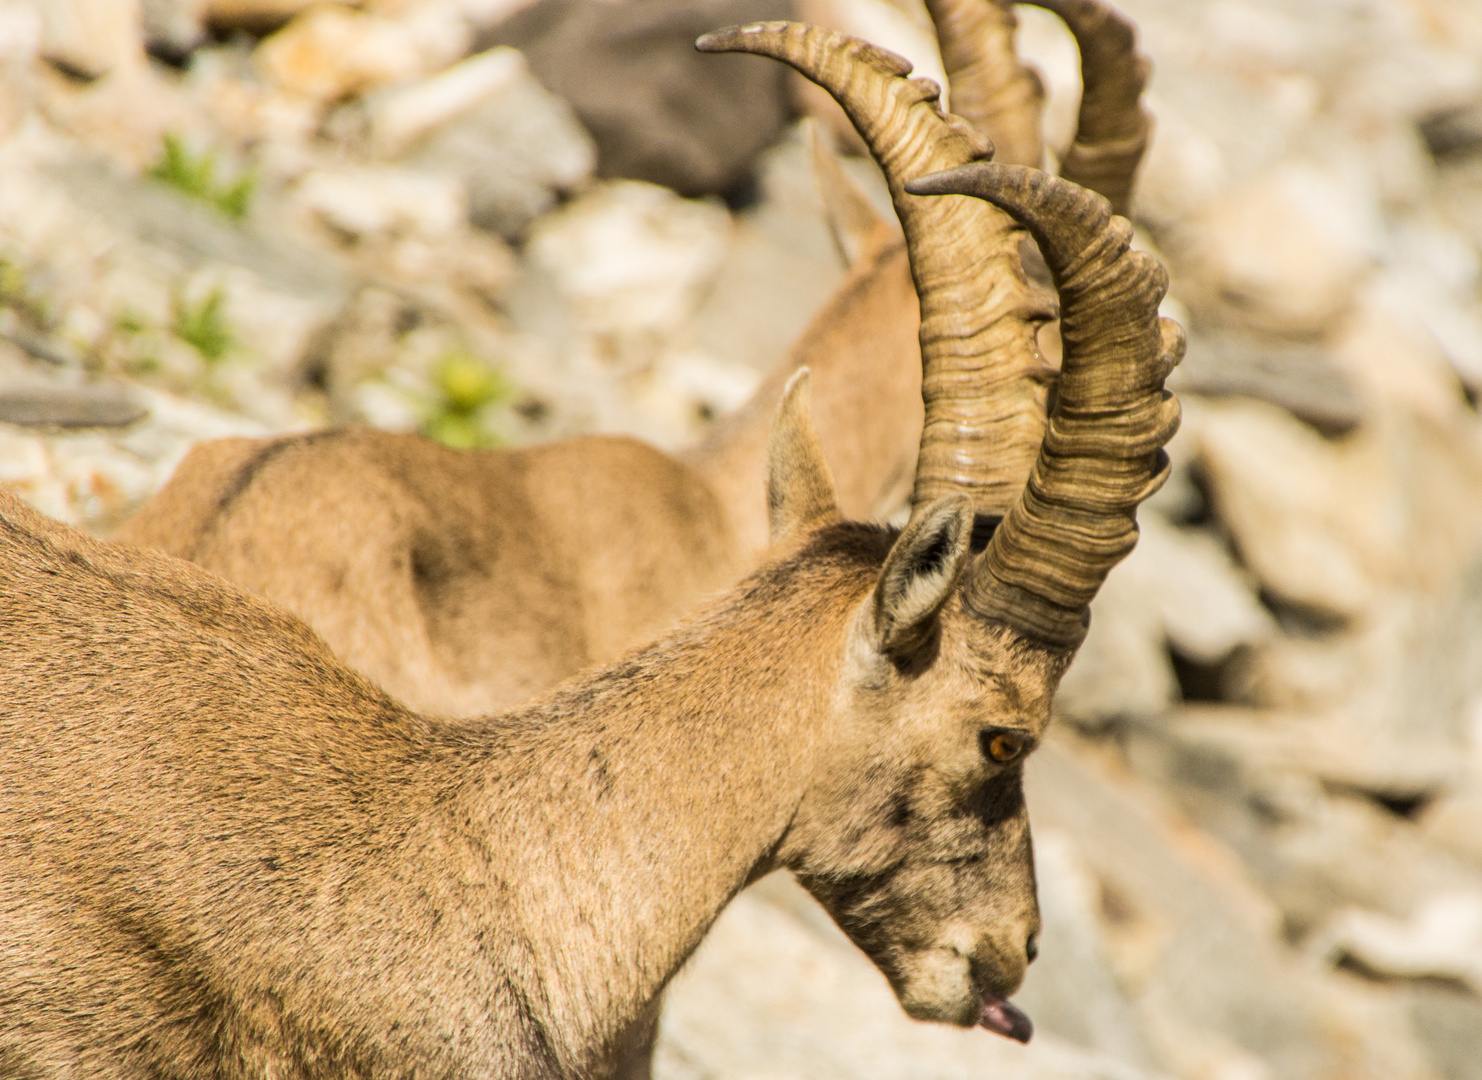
{"x":1031,"y":947}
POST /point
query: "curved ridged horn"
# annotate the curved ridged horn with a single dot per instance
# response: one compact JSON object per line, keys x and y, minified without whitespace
{"x":989,"y":87}
{"x":984,"y":382}
{"x":1102,"y":452}
{"x":1113,"y":129}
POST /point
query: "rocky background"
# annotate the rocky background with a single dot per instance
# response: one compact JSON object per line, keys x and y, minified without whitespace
{"x":1259,"y":828}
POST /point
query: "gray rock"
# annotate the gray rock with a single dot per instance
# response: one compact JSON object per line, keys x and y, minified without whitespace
{"x":70,"y":406}
{"x":1200,"y":946}
{"x":658,"y":110}
{"x":1454,"y":132}
{"x":1260,"y":782}
{"x":517,"y":147}
{"x":1449,"y":1020}
{"x":172,"y":28}
{"x":1301,"y":378}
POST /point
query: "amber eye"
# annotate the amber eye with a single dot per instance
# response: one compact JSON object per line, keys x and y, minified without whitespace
{"x":1003,"y":746}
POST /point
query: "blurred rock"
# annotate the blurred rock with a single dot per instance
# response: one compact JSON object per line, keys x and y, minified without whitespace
{"x":1179,"y":587}
{"x":175,"y":27}
{"x":1307,"y":516}
{"x":90,"y":38}
{"x":94,"y":480}
{"x":1282,"y":791}
{"x":1442,"y":940}
{"x":1300,"y":378}
{"x":70,"y":406}
{"x":172,"y":28}
{"x":781,"y":260}
{"x":330,"y":52}
{"x":1071,"y":991}
{"x":1448,"y":1019}
{"x":516,"y":147}
{"x":631,"y":257}
{"x":378,"y":203}
{"x":657,"y":109}
{"x":257,"y":16}
{"x":1122,"y":669}
{"x":1454,"y":132}
{"x":1195,"y":944}
{"x":1284,"y":251}
{"x":1454,"y":822}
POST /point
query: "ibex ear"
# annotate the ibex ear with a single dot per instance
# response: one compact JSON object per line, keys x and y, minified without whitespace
{"x":852,"y":218}
{"x":800,"y":488}
{"x":919,"y":574}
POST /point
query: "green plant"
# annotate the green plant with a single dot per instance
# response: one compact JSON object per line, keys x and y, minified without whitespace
{"x":12,"y":281}
{"x":204,"y":325}
{"x":130,"y":321}
{"x":195,"y":175}
{"x":465,"y":385}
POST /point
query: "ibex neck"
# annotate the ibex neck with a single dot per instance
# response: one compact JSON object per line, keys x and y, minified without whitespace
{"x":652,"y":793}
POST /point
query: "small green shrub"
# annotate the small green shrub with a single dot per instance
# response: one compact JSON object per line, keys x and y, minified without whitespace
{"x":204,"y":326}
{"x":465,"y":385}
{"x":195,"y":175}
{"x":12,"y":281}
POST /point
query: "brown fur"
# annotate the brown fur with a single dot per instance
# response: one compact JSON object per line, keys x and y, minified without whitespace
{"x":465,"y":581}
{"x":224,"y":854}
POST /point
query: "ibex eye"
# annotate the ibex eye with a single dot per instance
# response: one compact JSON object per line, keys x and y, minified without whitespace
{"x":1002,"y":746}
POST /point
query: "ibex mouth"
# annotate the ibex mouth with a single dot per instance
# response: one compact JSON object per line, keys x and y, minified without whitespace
{"x":1003,"y":1017}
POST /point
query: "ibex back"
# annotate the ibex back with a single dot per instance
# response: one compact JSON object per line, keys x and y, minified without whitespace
{"x":224,"y":854}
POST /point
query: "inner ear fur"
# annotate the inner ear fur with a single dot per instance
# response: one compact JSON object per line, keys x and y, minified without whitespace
{"x":919,"y":574}
{"x":800,"y":487}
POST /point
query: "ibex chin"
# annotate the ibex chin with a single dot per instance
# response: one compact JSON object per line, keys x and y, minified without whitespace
{"x":465,"y":581}
{"x":225,"y":854}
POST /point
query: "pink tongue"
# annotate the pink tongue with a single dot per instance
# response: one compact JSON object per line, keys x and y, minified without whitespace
{"x":1004,"y":1018}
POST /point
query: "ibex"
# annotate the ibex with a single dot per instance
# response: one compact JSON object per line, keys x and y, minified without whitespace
{"x":465,"y":581}
{"x":224,"y":853}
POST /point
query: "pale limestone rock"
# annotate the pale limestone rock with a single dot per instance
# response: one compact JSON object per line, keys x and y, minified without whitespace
{"x":1318,"y":522}
{"x":1178,"y":587}
{"x":1442,"y":939}
{"x":93,"y":480}
{"x":1184,"y":168}
{"x":781,"y":260}
{"x":1288,"y":248}
{"x":517,"y":147}
{"x":90,"y":37}
{"x":1454,"y":822}
{"x":1122,"y":668}
{"x":403,"y":115}
{"x":330,"y":52}
{"x":379,"y":203}
{"x":174,"y":27}
{"x":1207,"y":606}
{"x":631,"y":257}
{"x":1072,"y":990}
{"x":1179,"y":906}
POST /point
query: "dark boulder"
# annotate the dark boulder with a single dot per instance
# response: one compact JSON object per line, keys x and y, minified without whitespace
{"x":657,"y":109}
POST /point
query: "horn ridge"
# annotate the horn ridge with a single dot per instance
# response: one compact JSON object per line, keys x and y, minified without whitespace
{"x":989,"y":86}
{"x":1102,"y":450}
{"x":984,"y":381}
{"x":1113,"y":127}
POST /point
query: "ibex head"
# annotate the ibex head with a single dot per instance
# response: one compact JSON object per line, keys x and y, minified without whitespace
{"x":916,"y":837}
